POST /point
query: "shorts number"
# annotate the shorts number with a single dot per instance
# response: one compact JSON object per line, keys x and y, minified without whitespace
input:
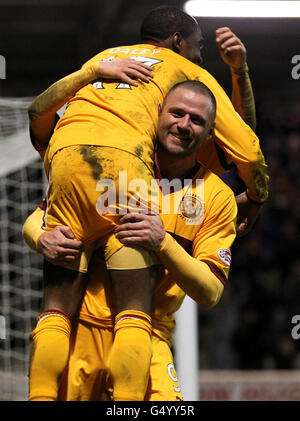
{"x":173,"y":375}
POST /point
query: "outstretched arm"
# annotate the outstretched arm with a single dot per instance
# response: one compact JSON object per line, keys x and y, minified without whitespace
{"x":234,"y":53}
{"x":42,"y":111}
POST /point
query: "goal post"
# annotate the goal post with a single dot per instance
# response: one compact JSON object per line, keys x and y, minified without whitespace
{"x":186,"y":350}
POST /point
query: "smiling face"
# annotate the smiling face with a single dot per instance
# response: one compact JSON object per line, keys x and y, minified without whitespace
{"x":185,"y":122}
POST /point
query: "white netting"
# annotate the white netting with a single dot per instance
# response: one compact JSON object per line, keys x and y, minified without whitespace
{"x":21,"y":190}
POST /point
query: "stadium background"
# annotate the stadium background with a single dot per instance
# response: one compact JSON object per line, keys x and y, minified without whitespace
{"x":245,"y":344}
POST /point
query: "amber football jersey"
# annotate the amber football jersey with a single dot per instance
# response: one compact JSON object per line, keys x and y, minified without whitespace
{"x":203,"y":223}
{"x":111,"y":113}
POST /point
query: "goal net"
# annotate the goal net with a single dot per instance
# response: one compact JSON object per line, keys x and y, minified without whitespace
{"x":21,"y":190}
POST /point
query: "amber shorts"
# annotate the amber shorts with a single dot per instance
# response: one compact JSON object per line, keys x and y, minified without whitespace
{"x":90,"y":189}
{"x":87,"y":377}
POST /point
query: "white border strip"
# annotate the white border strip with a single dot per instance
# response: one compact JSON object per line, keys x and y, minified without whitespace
{"x":255,"y":9}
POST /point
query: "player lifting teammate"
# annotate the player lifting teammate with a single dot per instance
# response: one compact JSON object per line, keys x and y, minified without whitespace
{"x":100,"y":118}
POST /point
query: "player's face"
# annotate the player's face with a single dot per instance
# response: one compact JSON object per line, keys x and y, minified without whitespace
{"x":185,"y":122}
{"x":191,"y":48}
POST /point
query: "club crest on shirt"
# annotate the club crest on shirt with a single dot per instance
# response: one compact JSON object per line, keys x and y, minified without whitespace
{"x":225,"y":256}
{"x":192,"y":209}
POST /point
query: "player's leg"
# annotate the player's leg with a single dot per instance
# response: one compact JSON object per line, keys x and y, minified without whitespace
{"x":132,"y":351}
{"x":132,"y":291}
{"x":71,"y":197}
{"x":63,"y":292}
{"x":132,"y":280}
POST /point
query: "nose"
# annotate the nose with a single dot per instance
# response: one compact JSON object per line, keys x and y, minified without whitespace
{"x":184,"y":123}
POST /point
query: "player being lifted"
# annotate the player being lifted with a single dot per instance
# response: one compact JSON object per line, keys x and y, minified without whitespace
{"x":108,"y":128}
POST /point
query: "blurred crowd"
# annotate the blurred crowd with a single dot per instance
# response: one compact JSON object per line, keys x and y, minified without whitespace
{"x":251,"y":326}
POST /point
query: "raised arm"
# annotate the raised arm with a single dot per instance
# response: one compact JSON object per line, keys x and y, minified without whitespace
{"x":234,"y":54}
{"x":42,"y":111}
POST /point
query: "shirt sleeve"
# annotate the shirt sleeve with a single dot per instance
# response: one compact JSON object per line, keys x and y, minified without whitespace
{"x":41,"y":148}
{"x":32,"y":228}
{"x":213,"y":241}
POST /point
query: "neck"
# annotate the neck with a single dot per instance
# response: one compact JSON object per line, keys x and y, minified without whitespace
{"x":171,"y":166}
{"x":163,"y":44}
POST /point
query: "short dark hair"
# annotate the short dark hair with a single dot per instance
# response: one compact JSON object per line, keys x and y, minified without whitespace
{"x":199,"y":87}
{"x":164,"y":21}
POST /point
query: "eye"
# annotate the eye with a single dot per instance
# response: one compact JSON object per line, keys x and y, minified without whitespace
{"x":197,"y":121}
{"x":177,"y":114}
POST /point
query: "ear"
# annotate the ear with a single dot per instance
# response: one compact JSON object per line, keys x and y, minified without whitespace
{"x":159,"y":109}
{"x":177,"y":40}
{"x":209,"y":133}
{"x":211,"y":130}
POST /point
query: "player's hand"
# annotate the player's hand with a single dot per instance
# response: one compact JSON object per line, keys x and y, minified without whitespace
{"x":58,"y":246}
{"x":232,"y":50}
{"x":126,"y":70}
{"x":247,"y":214}
{"x":139,"y":229}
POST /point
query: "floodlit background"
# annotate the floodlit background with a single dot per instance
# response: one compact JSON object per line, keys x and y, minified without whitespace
{"x":246,"y":350}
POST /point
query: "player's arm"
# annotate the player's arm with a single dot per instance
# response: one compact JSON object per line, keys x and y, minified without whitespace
{"x":201,"y":275}
{"x":233,"y":53}
{"x":57,"y":246}
{"x":42,"y":111}
{"x":191,"y":275}
{"x":238,"y":141}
